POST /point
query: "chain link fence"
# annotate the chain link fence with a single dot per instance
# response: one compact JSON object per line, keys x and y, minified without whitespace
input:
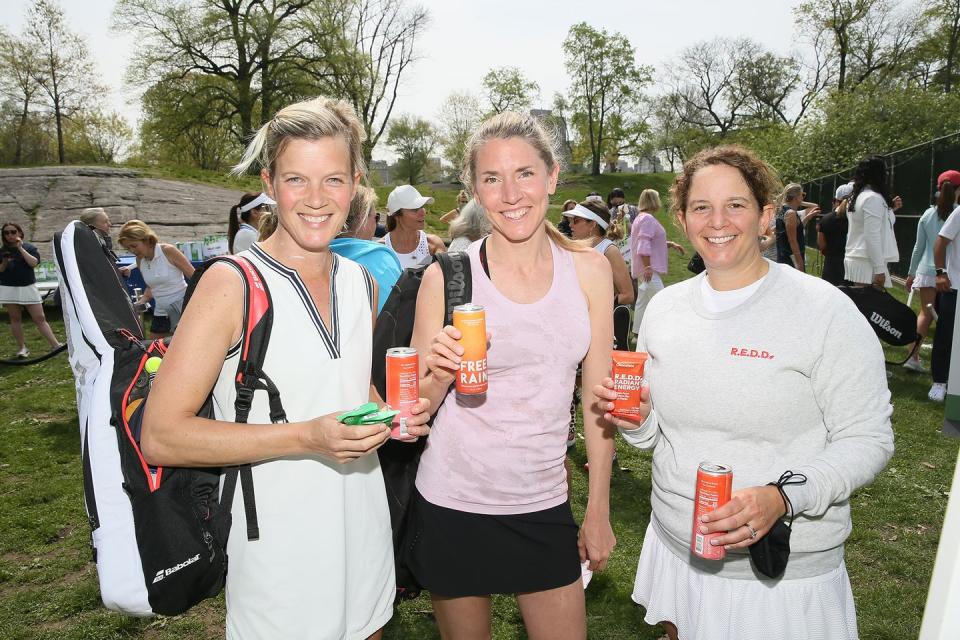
{"x":913,"y":176}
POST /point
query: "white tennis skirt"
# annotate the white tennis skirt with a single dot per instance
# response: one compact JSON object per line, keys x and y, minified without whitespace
{"x":707,"y":607}
{"x":921,"y":281}
{"x":28,"y":294}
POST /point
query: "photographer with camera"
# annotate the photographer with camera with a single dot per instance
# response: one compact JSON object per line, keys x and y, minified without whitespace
{"x":18,"y":288}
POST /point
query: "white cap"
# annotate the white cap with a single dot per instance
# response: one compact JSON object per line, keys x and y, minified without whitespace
{"x":259,"y":201}
{"x":844,"y":191}
{"x":405,"y":197}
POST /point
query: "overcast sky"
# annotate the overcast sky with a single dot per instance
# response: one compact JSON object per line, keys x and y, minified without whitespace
{"x":467,"y":38}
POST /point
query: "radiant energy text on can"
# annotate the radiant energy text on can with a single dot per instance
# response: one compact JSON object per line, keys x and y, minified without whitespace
{"x":403,"y":388}
{"x":714,"y":485}
{"x":470,"y":319}
{"x":627,"y":380}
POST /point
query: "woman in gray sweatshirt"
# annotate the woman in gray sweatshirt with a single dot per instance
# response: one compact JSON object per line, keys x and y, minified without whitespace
{"x":761,"y":367}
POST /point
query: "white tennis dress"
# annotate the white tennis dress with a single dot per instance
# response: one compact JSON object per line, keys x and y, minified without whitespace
{"x":323,"y":566}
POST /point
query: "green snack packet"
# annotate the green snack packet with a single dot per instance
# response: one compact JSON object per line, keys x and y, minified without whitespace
{"x":354,"y":416}
{"x":386,"y":417}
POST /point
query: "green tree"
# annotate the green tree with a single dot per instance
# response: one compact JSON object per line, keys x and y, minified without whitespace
{"x":64,"y":70}
{"x":413,"y":140}
{"x":19,"y":66}
{"x":97,"y":137}
{"x":506,"y":89}
{"x":458,"y":116}
{"x":605,"y":81}
{"x":180,"y":125}
{"x":255,"y":50}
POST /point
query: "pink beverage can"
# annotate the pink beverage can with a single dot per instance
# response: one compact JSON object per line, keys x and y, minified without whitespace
{"x":403,"y":388}
{"x":714,"y":486}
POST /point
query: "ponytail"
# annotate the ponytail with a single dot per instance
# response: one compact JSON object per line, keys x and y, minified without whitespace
{"x":615,"y":229}
{"x":233,"y":225}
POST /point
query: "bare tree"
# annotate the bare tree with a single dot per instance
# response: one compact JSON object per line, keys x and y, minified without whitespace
{"x":19,"y":67}
{"x":706,"y":90}
{"x":383,"y":34}
{"x":64,"y":71}
{"x":869,"y":39}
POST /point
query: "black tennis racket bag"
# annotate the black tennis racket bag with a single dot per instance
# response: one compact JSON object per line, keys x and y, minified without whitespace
{"x":159,"y":534}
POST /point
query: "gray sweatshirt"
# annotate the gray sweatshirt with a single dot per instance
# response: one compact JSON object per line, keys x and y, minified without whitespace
{"x":792,"y":379}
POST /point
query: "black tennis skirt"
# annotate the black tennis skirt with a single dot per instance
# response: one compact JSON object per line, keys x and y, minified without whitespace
{"x":455,"y":553}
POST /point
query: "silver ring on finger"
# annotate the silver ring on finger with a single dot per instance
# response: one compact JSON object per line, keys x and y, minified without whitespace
{"x":753,"y":532}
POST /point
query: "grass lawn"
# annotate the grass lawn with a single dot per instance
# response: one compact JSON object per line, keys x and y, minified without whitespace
{"x":48,"y":585}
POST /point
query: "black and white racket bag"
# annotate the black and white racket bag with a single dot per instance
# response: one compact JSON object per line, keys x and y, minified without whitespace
{"x":159,"y":534}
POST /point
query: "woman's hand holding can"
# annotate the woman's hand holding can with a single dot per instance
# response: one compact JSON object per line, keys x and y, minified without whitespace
{"x":443,"y":361}
{"x":419,"y":417}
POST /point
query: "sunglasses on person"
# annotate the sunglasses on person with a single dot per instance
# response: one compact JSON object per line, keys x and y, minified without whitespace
{"x":10,"y":232}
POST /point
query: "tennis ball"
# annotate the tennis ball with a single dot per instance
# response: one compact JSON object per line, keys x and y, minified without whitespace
{"x":152,"y":364}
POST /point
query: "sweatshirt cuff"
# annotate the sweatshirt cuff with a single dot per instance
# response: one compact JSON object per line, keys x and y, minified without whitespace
{"x":641,"y":432}
{"x":802,"y":496}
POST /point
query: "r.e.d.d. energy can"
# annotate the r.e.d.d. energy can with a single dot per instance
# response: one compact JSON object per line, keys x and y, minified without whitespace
{"x":714,"y":486}
{"x":471,"y":320}
{"x":403,"y":388}
{"x":627,"y":373}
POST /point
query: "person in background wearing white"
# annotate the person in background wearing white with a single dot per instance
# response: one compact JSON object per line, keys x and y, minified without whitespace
{"x":163,"y":268}
{"x":405,"y":222}
{"x":946,"y":264}
{"x":871,"y":243}
{"x":922,"y":274}
{"x":648,"y":247}
{"x":762,"y":402}
{"x":590,"y":223}
{"x":244,"y":221}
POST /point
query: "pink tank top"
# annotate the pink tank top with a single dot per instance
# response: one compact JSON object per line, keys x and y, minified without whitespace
{"x":505,"y":454}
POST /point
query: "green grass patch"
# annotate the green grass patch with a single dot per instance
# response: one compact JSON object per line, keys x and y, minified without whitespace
{"x":48,"y":586}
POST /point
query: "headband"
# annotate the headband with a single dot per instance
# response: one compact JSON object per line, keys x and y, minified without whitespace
{"x":256,"y":202}
{"x":582,"y":212}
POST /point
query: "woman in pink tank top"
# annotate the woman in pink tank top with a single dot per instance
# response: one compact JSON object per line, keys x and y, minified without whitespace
{"x":491,"y":513}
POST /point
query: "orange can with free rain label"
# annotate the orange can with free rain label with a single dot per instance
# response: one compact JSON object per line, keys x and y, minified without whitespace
{"x":627,"y":376}
{"x":714,"y":486}
{"x":471,"y":320}
{"x":403,"y":388}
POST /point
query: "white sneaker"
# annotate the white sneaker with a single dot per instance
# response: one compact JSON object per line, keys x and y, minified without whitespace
{"x":938,"y":391}
{"x":23,"y":352}
{"x":913,"y":364}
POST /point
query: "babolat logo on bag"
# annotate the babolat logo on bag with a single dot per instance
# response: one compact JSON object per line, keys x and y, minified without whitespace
{"x":163,"y":573}
{"x":884,"y":324}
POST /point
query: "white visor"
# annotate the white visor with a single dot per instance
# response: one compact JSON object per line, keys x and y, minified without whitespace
{"x":580,"y":211}
{"x":260,"y":200}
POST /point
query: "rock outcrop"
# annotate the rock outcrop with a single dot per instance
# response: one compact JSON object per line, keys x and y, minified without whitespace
{"x":43,"y":199}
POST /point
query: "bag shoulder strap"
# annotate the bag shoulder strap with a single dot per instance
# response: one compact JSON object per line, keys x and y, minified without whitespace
{"x":257,"y":324}
{"x":457,"y":281}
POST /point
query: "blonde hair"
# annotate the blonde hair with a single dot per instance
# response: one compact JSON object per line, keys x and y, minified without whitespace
{"x":89,"y":216}
{"x":649,"y":201}
{"x":528,"y":128}
{"x":363,"y":201}
{"x":308,"y":120}
{"x":267,"y":225}
{"x":792,"y":190}
{"x":137,"y":230}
